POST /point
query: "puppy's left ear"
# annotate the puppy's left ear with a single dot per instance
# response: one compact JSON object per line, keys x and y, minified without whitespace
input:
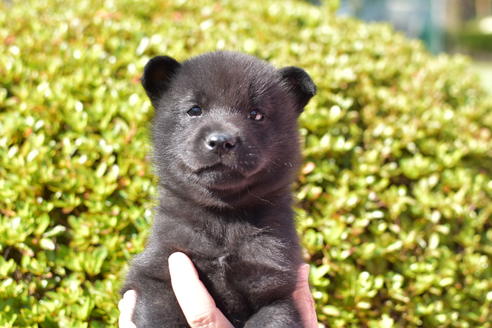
{"x":299,"y":84}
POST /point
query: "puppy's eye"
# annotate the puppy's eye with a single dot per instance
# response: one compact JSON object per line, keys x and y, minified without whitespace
{"x":194,"y":111}
{"x":255,"y":115}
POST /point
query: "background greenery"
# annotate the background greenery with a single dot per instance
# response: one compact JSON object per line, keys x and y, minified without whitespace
{"x":395,"y":197}
{"x":484,"y":69}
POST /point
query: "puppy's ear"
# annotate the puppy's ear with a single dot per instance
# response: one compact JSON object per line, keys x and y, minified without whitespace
{"x":158,"y":73}
{"x":299,"y":84}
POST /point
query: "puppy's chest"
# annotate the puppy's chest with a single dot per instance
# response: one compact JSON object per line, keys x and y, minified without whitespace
{"x":236,"y":253}
{"x":231,"y":268}
{"x":221,"y":252}
{"x":217,"y":266}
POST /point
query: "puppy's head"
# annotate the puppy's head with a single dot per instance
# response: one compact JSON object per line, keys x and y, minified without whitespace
{"x":225,"y":123}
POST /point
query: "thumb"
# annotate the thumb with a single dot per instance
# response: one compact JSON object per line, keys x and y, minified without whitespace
{"x":196,"y":303}
{"x":303,"y":298}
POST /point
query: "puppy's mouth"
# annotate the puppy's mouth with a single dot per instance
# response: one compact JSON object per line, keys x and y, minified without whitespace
{"x":220,"y":172}
{"x":220,"y":176}
{"x":216,"y":167}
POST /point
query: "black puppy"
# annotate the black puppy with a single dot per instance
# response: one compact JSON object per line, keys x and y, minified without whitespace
{"x":226,"y":150}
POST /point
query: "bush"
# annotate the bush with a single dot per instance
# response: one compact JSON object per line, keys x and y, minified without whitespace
{"x":395,"y":197}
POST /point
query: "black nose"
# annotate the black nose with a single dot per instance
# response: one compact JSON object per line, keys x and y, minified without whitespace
{"x":220,"y":142}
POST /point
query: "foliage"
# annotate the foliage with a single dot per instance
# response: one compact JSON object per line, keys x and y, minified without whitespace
{"x":395,"y":197}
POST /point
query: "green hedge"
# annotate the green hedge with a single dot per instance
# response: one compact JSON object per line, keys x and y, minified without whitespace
{"x":395,"y":197}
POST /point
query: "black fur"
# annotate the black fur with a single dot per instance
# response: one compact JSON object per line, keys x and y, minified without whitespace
{"x":227,"y":205}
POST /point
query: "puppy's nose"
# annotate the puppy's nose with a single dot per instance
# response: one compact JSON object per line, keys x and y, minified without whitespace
{"x":220,"y":142}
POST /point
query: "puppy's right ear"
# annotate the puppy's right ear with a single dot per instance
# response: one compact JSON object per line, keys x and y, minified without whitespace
{"x":158,"y":73}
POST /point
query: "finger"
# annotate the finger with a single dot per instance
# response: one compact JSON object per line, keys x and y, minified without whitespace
{"x":126,"y":306}
{"x":303,"y":298}
{"x":189,"y":290}
{"x":303,"y":275}
{"x":198,"y":306}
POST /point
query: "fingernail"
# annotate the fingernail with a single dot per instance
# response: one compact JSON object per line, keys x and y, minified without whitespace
{"x":130,"y":294}
{"x":176,"y":257}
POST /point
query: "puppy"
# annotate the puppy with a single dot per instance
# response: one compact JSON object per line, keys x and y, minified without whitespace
{"x":226,"y":151}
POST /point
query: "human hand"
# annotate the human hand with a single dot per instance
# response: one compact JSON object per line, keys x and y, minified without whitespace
{"x":200,"y":310}
{"x":303,"y":298}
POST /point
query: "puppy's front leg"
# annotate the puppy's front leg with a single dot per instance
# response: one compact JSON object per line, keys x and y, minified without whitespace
{"x":279,"y":314}
{"x":156,"y":305}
